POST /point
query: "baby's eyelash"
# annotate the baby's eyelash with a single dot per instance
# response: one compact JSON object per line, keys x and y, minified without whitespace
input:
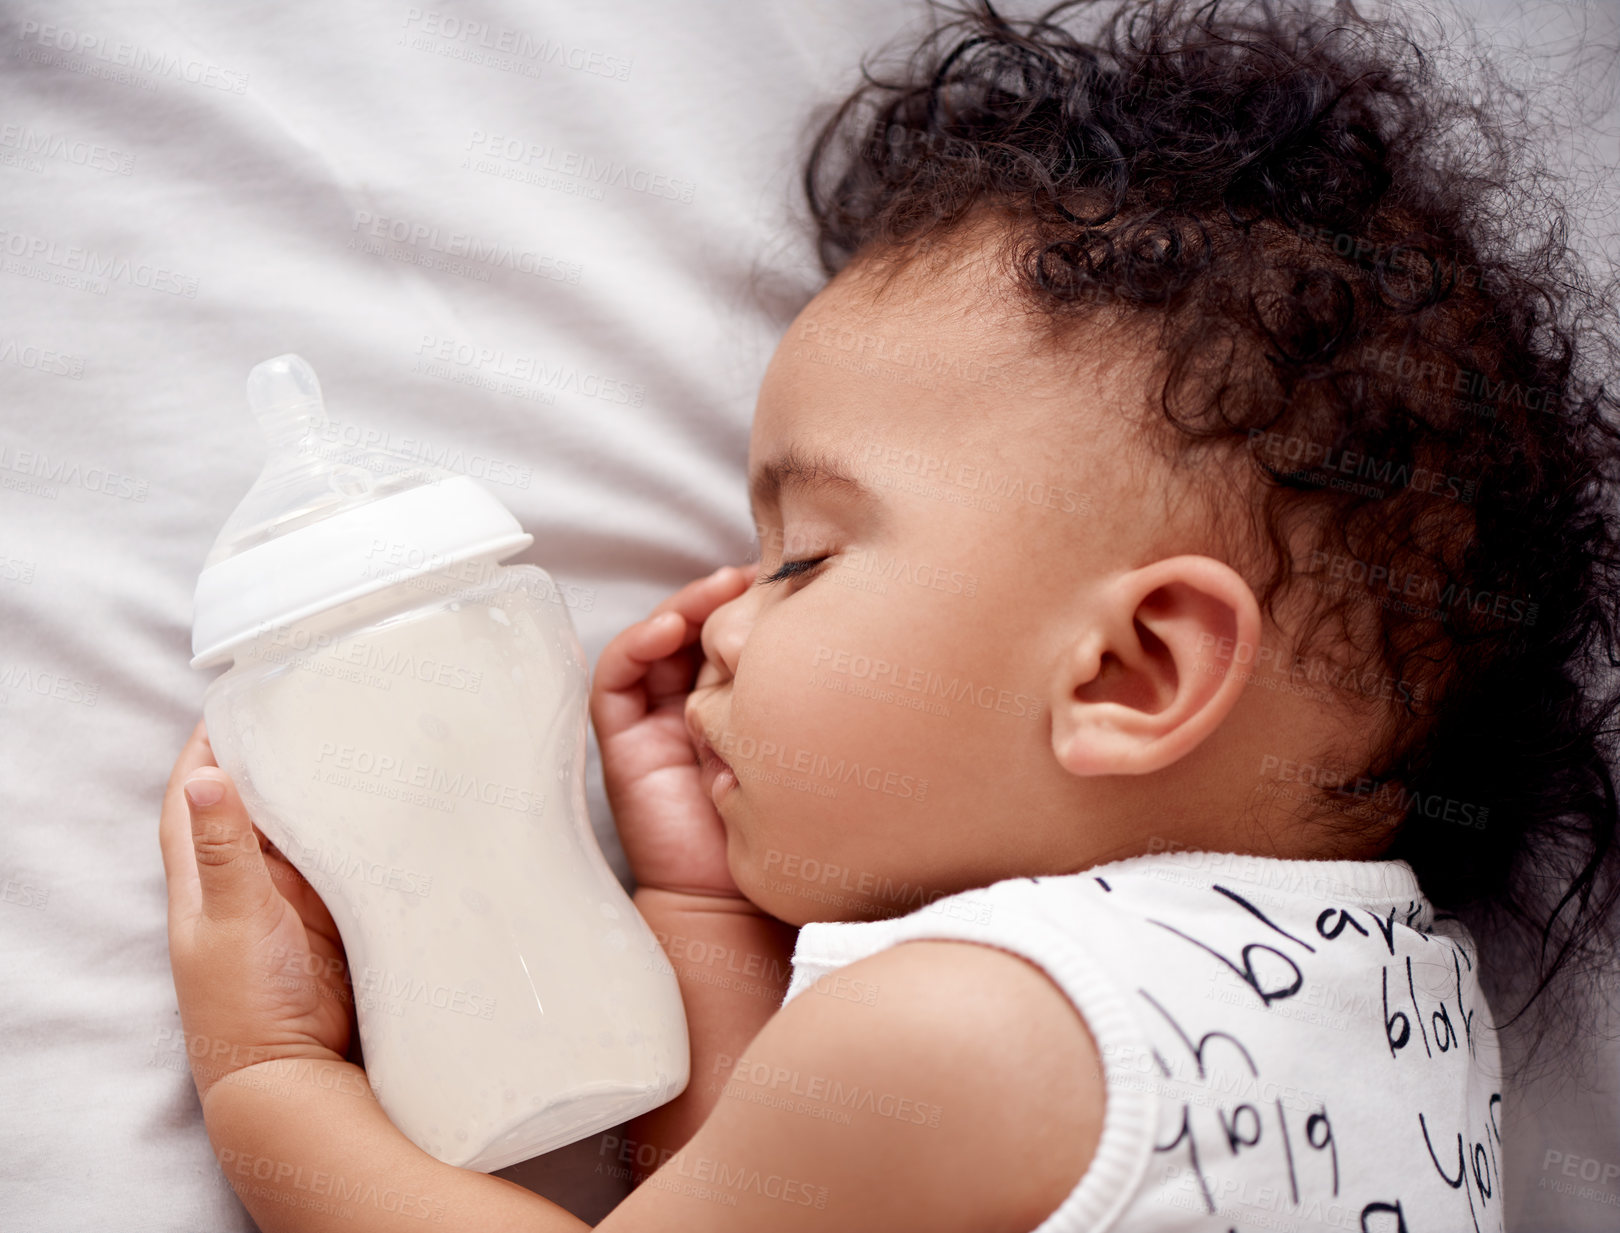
{"x":791,"y":569}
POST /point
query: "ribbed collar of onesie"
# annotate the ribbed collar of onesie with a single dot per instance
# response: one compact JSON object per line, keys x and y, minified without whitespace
{"x":1370,"y":884}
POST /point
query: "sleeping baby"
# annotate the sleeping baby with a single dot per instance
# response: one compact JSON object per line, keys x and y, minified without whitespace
{"x":1186,"y":527}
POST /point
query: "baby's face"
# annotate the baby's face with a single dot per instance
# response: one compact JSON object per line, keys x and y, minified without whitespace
{"x":933,"y":503}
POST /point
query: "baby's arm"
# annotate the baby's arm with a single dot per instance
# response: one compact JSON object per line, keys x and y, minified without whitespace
{"x":307,"y":1147}
{"x":967,"y":1097}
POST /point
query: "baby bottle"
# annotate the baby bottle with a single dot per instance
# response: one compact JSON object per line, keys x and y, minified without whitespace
{"x":405,"y":720}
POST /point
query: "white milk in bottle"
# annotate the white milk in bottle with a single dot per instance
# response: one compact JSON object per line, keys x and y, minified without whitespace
{"x":405,"y":719}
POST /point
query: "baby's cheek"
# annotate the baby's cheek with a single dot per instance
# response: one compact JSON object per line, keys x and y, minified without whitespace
{"x":776,"y":700}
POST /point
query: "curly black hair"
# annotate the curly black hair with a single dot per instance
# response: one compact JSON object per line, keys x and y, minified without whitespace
{"x":1324,"y":237}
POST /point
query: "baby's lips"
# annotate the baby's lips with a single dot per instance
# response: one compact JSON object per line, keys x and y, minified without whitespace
{"x":708,"y":674}
{"x":694,"y":728}
{"x":700,"y":742}
{"x":709,"y":760}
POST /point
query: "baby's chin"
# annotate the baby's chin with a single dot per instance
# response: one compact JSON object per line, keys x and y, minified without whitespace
{"x":798,"y":903}
{"x":783,"y":898}
{"x":756,"y":886}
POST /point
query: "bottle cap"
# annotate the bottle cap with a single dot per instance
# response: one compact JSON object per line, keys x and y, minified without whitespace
{"x":321,"y":527}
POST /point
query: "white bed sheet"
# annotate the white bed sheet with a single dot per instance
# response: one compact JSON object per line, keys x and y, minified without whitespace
{"x":233,"y":163}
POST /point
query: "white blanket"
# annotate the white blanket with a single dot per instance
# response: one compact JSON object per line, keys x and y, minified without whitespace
{"x":548,"y":244}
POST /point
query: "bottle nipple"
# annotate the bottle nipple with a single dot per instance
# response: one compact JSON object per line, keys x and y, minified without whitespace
{"x":284,"y":396}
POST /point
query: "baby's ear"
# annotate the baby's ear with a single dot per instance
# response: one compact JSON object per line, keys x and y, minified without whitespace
{"x":1156,"y":667}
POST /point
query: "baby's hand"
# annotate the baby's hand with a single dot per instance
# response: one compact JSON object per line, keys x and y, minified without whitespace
{"x":671,"y":833}
{"x":258,"y":965}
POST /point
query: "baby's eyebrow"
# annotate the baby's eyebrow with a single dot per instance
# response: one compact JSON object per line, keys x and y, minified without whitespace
{"x":793,"y":468}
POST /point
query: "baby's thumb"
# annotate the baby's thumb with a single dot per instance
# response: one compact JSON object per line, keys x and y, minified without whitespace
{"x":230,"y":868}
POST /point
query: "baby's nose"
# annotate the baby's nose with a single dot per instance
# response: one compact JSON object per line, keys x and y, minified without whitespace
{"x":723,"y":636}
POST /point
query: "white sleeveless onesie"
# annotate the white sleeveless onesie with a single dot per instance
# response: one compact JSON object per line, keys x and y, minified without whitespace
{"x":1288,"y":1045}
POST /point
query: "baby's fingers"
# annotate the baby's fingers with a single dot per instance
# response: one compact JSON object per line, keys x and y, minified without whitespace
{"x":698,"y":599}
{"x":174,"y":826}
{"x":618,"y":694}
{"x":626,"y":659}
{"x":232,"y":878}
{"x":296,"y":890}
{"x":620,"y":687}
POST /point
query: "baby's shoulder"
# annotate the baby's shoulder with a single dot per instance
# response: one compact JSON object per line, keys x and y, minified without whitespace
{"x":960,"y":1067}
